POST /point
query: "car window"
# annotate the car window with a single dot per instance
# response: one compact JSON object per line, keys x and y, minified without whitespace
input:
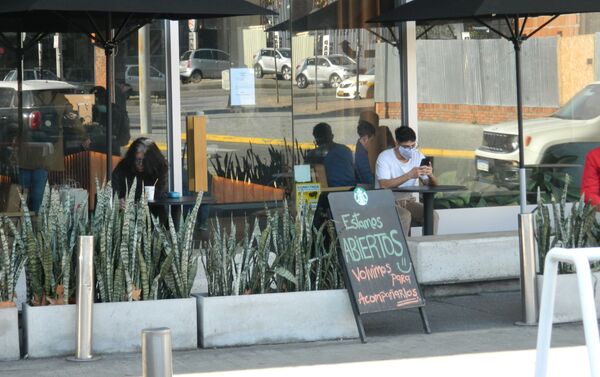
{"x":186,"y":55}
{"x":267,"y":53}
{"x":323,"y":62}
{"x":341,"y":60}
{"x":47,"y":75}
{"x":222,"y":56}
{"x":6,"y":96}
{"x":286,"y":53}
{"x":11,"y":76}
{"x":584,"y":105}
{"x":310,"y":61}
{"x":38,"y":96}
{"x":133,"y":71}
{"x":154,"y":72}
{"x":29,"y":75}
{"x":203,"y":54}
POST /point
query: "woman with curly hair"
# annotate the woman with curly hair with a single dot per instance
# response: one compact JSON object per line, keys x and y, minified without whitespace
{"x":146,"y":164}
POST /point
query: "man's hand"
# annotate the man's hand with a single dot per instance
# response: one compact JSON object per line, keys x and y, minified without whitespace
{"x":419,"y":171}
{"x":425,"y":170}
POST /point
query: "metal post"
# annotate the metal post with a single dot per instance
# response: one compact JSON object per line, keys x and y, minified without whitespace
{"x":144,"y":80}
{"x":156,"y":353}
{"x":85,"y":300}
{"x":59,"y":55}
{"x":527,"y":252}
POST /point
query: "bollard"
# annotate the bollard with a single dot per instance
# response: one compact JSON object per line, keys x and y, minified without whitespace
{"x":85,"y":300}
{"x":156,"y":353}
{"x":527,"y":253}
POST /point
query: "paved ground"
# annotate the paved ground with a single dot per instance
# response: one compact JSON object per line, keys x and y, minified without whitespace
{"x":472,"y":336}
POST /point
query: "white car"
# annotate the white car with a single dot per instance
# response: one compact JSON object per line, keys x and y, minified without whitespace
{"x":329,"y":69}
{"x":32,"y":74}
{"x":157,"y":79}
{"x":267,"y":59}
{"x":559,"y":141}
{"x":366,"y":86}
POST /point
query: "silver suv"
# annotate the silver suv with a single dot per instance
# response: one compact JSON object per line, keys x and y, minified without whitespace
{"x":330,"y":69}
{"x":195,"y":65}
{"x":268,"y":59}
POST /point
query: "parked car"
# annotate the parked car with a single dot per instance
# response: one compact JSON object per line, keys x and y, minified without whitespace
{"x":331,"y":70}
{"x":266,"y":59}
{"x":194,"y":65}
{"x":366,"y":85}
{"x":32,"y":74}
{"x":558,"y":141}
{"x":40,"y":119}
{"x":157,"y":79}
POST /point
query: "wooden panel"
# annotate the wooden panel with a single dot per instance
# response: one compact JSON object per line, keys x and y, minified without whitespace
{"x":197,"y":162}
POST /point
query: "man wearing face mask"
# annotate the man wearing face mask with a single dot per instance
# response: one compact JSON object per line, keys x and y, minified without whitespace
{"x":400,"y":166}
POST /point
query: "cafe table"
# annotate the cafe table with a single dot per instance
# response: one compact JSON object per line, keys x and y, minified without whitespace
{"x":176,"y":205}
{"x":428,"y":193}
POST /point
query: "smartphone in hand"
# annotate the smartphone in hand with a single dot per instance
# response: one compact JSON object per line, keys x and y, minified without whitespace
{"x":426,"y":162}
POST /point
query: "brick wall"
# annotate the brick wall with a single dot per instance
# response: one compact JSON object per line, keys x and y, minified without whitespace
{"x":475,"y":114}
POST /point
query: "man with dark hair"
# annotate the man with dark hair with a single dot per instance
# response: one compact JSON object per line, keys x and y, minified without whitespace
{"x":362,"y":168}
{"x":336,"y":158}
{"x":401,"y":166}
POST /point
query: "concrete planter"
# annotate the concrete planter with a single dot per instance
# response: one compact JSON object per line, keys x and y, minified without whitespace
{"x":9,"y":334}
{"x":566,"y":303}
{"x":274,"y":318}
{"x":50,"y":330}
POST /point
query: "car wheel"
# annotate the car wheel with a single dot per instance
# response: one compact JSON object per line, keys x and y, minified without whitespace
{"x":258,"y":71}
{"x":196,"y":77}
{"x":286,"y":73}
{"x":301,"y":81}
{"x":334,"y":80}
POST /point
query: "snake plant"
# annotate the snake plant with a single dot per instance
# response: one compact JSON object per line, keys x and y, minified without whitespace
{"x":558,"y":227}
{"x":50,"y":247}
{"x":285,"y":254}
{"x":12,"y":259}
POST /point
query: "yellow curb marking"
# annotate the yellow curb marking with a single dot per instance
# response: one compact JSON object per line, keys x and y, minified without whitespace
{"x":434,"y":152}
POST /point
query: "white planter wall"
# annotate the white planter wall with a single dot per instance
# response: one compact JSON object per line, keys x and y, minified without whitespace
{"x":275,"y":318}
{"x":566,"y":303}
{"x":9,"y":334}
{"x":51,"y":330}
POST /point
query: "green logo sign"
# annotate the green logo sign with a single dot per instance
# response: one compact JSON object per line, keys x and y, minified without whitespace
{"x":360,"y":196}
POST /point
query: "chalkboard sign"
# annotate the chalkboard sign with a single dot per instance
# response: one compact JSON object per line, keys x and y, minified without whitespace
{"x":374,"y":251}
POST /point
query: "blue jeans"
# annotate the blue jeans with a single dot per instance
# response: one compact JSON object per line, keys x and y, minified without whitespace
{"x":33,"y":180}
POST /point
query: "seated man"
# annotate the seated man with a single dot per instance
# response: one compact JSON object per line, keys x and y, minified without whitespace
{"x":366,"y":132}
{"x":336,"y":158}
{"x":590,"y":181}
{"x":400,"y":166}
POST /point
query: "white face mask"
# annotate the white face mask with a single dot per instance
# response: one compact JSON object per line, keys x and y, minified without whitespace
{"x":406,"y":153}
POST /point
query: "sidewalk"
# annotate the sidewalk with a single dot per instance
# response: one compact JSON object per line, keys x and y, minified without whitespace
{"x":472,"y":336}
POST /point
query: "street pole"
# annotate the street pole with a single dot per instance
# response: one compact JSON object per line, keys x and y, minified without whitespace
{"x":144,"y":80}
{"x":59,"y":56}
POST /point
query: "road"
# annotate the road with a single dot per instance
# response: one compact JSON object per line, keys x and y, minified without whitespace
{"x":271,"y":120}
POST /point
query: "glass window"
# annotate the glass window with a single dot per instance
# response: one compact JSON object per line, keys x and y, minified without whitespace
{"x":6,"y":96}
{"x":186,"y":55}
{"x":222,"y":56}
{"x":285,"y":52}
{"x":203,"y":54}
{"x":341,"y":60}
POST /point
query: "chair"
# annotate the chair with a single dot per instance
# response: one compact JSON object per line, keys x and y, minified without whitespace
{"x":581,"y":258}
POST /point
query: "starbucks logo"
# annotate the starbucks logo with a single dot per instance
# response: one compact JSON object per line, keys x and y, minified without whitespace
{"x":360,"y":196}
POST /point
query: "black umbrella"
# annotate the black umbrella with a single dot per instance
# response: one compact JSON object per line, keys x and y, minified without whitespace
{"x":97,"y":18}
{"x":515,"y":13}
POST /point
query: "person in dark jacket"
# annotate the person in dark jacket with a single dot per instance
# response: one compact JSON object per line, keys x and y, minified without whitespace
{"x":337,"y":158}
{"x":362,"y":167}
{"x":145,"y":163}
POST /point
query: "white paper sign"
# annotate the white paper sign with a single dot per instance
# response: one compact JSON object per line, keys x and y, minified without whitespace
{"x":242,"y":87}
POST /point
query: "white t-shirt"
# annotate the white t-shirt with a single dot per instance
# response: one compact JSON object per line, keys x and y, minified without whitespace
{"x":389,"y":166}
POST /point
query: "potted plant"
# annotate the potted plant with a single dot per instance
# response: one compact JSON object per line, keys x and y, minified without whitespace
{"x":280,"y":283}
{"x":134,"y":267}
{"x":559,"y":226}
{"x":12,"y":262}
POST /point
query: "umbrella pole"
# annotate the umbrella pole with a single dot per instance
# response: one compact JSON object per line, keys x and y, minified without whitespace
{"x":20,"y":54}
{"x":108,"y":51}
{"x":522,"y":173}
